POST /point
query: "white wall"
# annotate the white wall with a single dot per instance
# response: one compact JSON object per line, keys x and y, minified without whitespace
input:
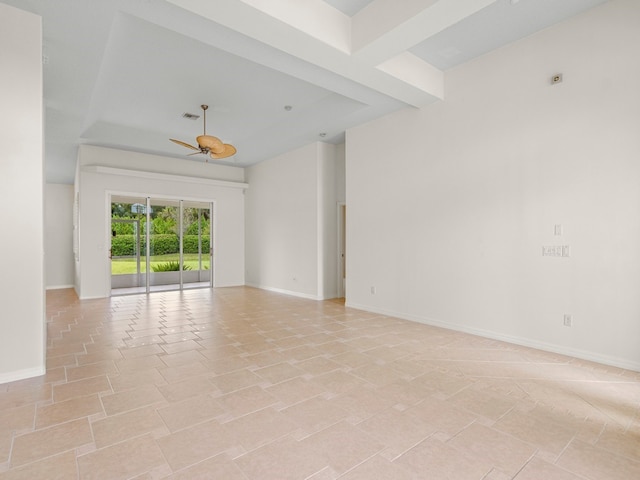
{"x":104,"y":171}
{"x":291,"y":222}
{"x":22,"y":325}
{"x":58,"y":231}
{"x":449,"y":225}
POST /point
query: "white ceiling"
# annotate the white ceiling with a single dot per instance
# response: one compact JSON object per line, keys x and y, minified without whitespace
{"x":120,"y":73}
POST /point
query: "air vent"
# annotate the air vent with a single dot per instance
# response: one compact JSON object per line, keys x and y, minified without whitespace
{"x":190,"y":116}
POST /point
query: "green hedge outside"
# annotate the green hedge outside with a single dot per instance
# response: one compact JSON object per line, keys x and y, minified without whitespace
{"x":124,"y":245}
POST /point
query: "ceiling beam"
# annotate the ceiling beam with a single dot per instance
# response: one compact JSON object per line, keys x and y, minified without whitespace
{"x":259,"y":24}
{"x":387,"y":28}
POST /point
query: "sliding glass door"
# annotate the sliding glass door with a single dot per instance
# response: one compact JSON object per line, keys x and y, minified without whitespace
{"x":196,"y":244}
{"x":160,"y":244}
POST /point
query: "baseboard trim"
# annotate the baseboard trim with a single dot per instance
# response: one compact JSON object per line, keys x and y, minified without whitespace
{"x":59,"y":287}
{"x":22,"y":374}
{"x":285,"y":292}
{"x":525,"y":342}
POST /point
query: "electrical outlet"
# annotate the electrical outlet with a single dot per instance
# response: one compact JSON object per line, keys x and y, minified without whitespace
{"x":373,"y":290}
{"x":568,"y":320}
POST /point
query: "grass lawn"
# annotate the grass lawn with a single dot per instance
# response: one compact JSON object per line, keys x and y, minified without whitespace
{"x":121,"y":266}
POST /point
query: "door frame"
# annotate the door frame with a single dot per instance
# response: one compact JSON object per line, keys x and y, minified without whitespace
{"x":110,"y":194}
{"x":342,"y":249}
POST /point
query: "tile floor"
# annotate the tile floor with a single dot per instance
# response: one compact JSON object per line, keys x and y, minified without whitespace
{"x":239,"y":383}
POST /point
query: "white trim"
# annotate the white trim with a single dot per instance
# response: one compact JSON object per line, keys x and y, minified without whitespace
{"x":525,"y":342}
{"x":22,"y":374}
{"x":59,"y":287}
{"x":285,"y":292}
{"x":96,"y":297}
{"x":163,"y":176}
{"x":342,"y":233}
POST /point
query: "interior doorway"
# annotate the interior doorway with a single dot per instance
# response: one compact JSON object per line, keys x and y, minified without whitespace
{"x":160,"y":244}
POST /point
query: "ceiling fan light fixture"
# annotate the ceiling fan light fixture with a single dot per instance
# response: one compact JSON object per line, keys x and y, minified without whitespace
{"x":208,"y":144}
{"x":227,"y":151}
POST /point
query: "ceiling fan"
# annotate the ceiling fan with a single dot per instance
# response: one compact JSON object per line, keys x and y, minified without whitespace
{"x":207,"y":144}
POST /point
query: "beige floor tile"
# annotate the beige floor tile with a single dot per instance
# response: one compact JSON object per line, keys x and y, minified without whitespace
{"x":91,"y":370}
{"x":141,"y":351}
{"x":442,"y":415}
{"x":12,"y":421}
{"x":538,"y":469}
{"x":72,"y":409}
{"x":303,"y":352}
{"x":274,"y":387}
{"x":295,"y":390}
{"x":247,"y":400}
{"x":363,"y":402}
{"x":376,"y":374}
{"x":43,"y":443}
{"x":190,"y":387}
{"x":64,"y":361}
{"x":259,"y":428}
{"x":81,"y":388}
{"x":58,"y":467}
{"x":141,"y":363}
{"x":483,"y":402}
{"x":397,"y":430}
{"x":540,"y":427}
{"x":379,"y":468}
{"x":447,"y":383}
{"x":597,"y":464}
{"x":182,"y":358}
{"x":16,"y":419}
{"x":121,"y":461}
{"x":132,"y":399}
{"x":117,"y":428}
{"x":279,"y":372}
{"x":180,"y":372}
{"x":218,"y":467}
{"x":315,"y":414}
{"x":405,"y":392}
{"x":130,"y":379}
{"x":626,"y":443}
{"x":66,"y":349}
{"x":443,"y":461}
{"x":190,"y":412}
{"x":284,"y":459}
{"x":235,"y":380}
{"x":338,"y":382}
{"x":193,"y":445}
{"x":18,"y":397}
{"x":183,"y":346}
{"x":226,"y":365}
{"x":264,"y":359}
{"x":351,"y":358}
{"x":343,"y":446}
{"x":505,"y":452}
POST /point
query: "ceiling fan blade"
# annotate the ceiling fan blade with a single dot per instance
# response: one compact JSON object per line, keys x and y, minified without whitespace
{"x":184,"y":144}
{"x":227,"y":152}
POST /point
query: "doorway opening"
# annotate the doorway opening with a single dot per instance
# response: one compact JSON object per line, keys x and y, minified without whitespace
{"x":160,"y":244}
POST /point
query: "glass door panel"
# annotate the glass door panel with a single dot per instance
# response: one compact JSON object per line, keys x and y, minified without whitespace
{"x":128,"y":268}
{"x":196,"y":228}
{"x":164,"y":245}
